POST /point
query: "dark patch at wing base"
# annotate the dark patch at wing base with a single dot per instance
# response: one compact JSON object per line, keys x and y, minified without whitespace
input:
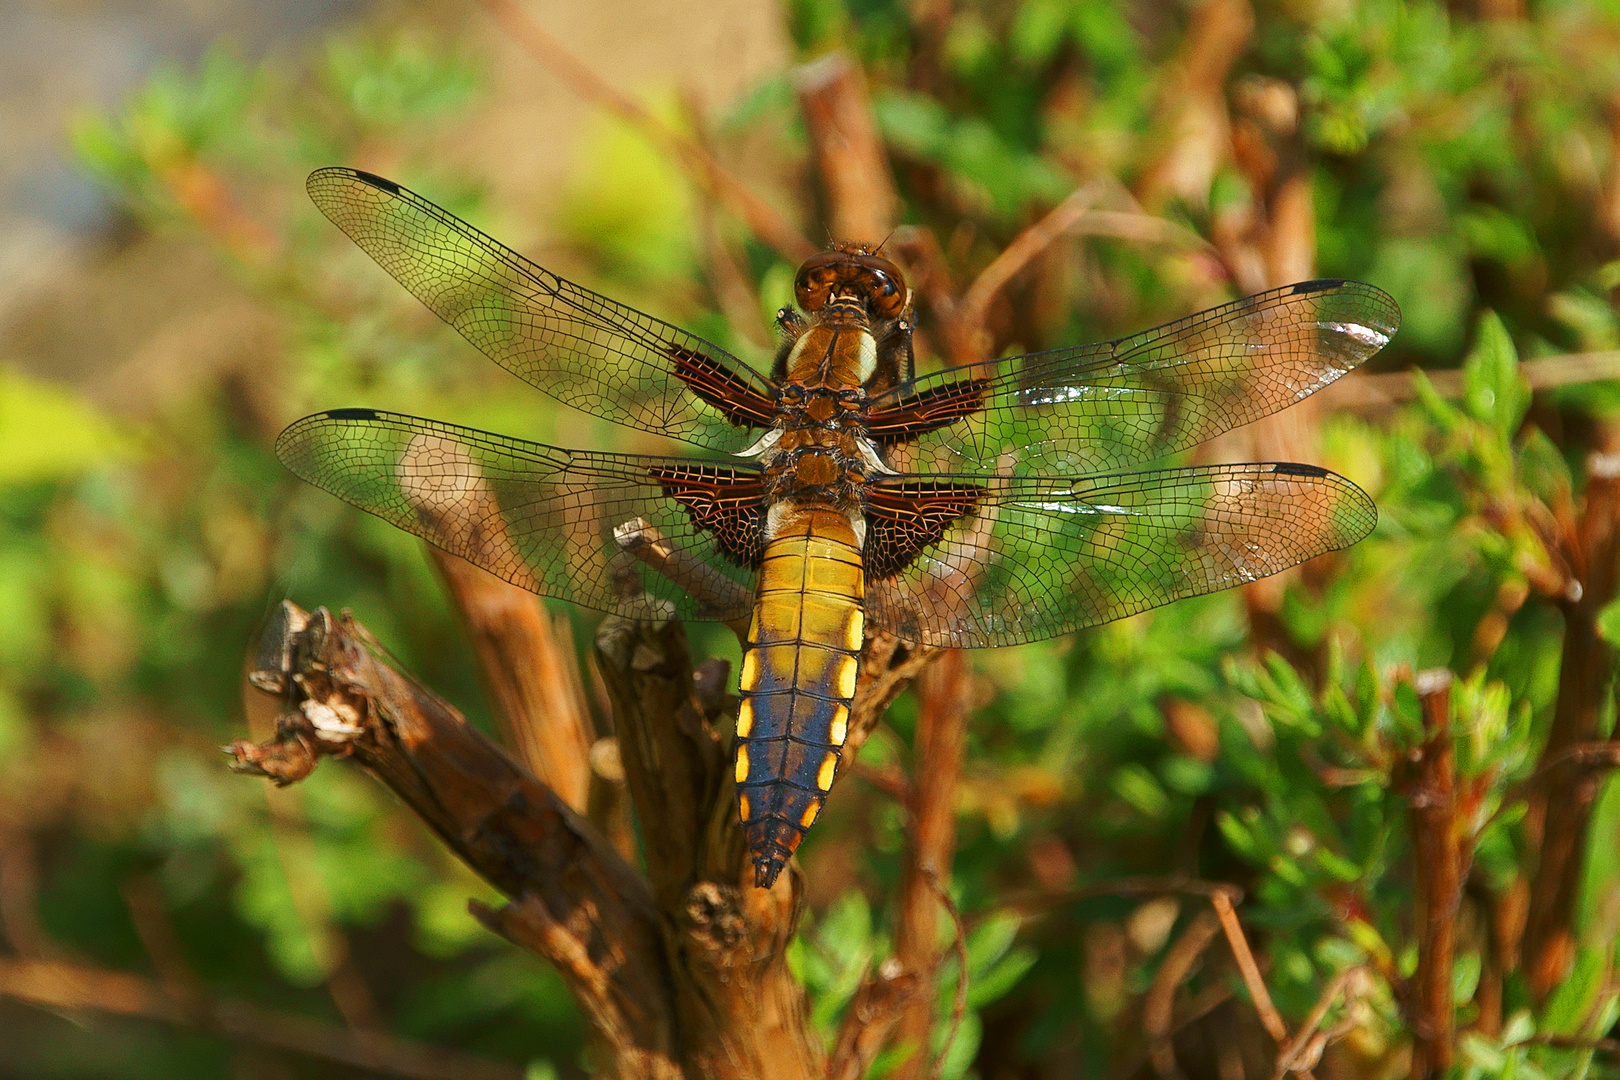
{"x":717,"y":385}
{"x":917,"y":415}
{"x":904,"y":519}
{"x":724,"y":503}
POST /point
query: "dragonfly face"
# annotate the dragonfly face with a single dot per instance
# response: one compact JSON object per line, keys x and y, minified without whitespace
{"x":978,"y":506}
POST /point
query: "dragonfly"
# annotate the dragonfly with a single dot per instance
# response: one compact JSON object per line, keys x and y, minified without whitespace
{"x":839,"y":492}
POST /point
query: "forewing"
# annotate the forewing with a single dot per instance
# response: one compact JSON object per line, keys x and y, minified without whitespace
{"x":1115,"y":404}
{"x":583,"y":349}
{"x":562,"y":523}
{"x":1042,"y":556}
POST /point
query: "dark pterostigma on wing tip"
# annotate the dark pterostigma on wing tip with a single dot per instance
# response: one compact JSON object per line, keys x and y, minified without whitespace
{"x":376,"y":181}
{"x":1291,"y":468}
{"x":1319,"y":285}
{"x":351,"y":414}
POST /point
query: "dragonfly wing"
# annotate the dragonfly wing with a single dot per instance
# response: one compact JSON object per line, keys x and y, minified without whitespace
{"x":581,"y":348}
{"x":1116,"y":404}
{"x":1035,"y":557}
{"x":562,"y":523}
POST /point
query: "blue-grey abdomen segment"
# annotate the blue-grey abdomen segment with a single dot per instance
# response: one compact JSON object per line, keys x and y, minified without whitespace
{"x":798,"y":678}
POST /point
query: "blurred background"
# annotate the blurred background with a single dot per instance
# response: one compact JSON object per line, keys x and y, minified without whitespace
{"x":169,"y":300}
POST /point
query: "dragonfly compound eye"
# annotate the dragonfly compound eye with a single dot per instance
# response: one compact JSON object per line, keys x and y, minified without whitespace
{"x":888,"y":295}
{"x":813,"y":285}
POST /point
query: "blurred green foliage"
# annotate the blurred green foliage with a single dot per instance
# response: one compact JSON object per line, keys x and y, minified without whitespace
{"x":1469,"y":166}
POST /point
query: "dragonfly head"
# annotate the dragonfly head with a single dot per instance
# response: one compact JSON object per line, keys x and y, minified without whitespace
{"x":853,"y":274}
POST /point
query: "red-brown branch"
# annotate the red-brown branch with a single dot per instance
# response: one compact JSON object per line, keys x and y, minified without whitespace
{"x":1438,"y":870}
{"x":943,"y":694}
{"x":1563,"y":805}
{"x":589,"y":912}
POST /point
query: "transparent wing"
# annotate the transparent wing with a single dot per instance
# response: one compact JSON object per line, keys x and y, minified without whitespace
{"x":1115,"y":404}
{"x":546,"y":519}
{"x":1041,"y":556}
{"x":581,"y":348}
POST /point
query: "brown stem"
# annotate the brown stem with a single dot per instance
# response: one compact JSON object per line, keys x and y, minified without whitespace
{"x":763,"y":219}
{"x":19,"y":896}
{"x":1158,"y":1003}
{"x":312,"y":903}
{"x":584,"y":904}
{"x":1239,"y":944}
{"x":1192,"y":119}
{"x":533,"y":680}
{"x":869,"y":1019}
{"x":76,"y":987}
{"x":741,"y":1012}
{"x":966,"y":344}
{"x":848,"y":151}
{"x":941,"y":719}
{"x":144,"y":899}
{"x":1372,"y":392}
{"x":1583,"y":686}
{"x":1438,"y":872}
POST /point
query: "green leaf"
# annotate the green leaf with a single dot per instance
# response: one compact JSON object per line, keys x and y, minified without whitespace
{"x":999,"y":979}
{"x":49,"y":432}
{"x":1137,"y":786}
{"x":1608,"y":622}
{"x":1495,"y":390}
{"x":1238,"y":835}
{"x":1571,"y":1003}
{"x":1038,"y":30}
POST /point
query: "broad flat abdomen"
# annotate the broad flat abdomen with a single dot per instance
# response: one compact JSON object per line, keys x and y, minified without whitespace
{"x":798,"y":676}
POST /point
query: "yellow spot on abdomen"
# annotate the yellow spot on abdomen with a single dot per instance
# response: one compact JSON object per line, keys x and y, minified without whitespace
{"x":856,"y":637}
{"x":846,"y":676}
{"x":838,"y":730}
{"x":808,"y":818}
{"x":742,"y":764}
{"x":750,"y":669}
{"x":829,"y":766}
{"x":744,"y":811}
{"x":745,"y":718}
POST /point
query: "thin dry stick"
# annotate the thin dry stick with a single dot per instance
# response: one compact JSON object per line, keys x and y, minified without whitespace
{"x":1269,"y":1016}
{"x":1361,"y":391}
{"x":74,"y":986}
{"x":529,"y":675}
{"x":1128,"y":886}
{"x":848,"y":151}
{"x":527,"y":672}
{"x":765,"y":222}
{"x":1190,"y":117}
{"x":975,"y":303}
{"x":1305,"y":1050}
{"x":19,"y":895}
{"x":312,"y":902}
{"x":144,"y":899}
{"x":1159,"y":1002}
